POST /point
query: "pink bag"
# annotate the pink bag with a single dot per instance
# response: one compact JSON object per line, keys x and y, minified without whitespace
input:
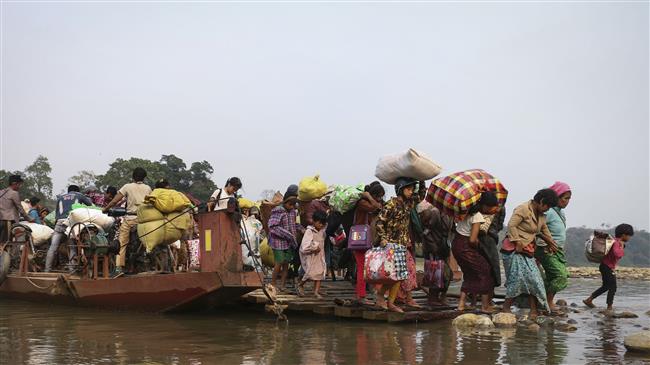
{"x":434,"y":274}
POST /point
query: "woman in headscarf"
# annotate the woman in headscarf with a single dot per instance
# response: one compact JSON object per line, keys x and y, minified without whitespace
{"x":394,"y":226}
{"x":554,"y":263}
{"x":522,"y":274}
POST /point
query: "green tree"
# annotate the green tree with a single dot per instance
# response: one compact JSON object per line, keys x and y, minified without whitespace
{"x":37,"y":178}
{"x":175,"y":171}
{"x":201,"y":185}
{"x":120,"y":172}
{"x":84,"y":179}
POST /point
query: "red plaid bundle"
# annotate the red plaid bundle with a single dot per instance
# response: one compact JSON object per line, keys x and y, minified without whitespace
{"x":455,"y":194}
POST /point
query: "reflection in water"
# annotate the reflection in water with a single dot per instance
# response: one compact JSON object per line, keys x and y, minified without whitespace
{"x":40,"y":334}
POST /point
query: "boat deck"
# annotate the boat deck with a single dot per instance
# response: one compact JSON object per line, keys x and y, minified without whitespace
{"x":341,"y":291}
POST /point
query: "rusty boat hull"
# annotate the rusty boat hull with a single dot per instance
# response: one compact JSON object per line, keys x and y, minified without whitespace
{"x":162,"y":293}
{"x":221,"y":280}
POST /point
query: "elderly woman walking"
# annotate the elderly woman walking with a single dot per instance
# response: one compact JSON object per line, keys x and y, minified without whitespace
{"x":522,"y":274}
{"x":554,"y":263}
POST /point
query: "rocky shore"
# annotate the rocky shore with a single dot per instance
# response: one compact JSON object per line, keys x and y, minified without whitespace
{"x":622,"y":273}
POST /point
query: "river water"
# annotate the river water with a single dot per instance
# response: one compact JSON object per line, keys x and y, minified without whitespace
{"x":45,"y":334}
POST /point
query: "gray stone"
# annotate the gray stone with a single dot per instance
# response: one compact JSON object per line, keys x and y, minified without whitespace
{"x":625,"y":315}
{"x":533,"y":327}
{"x":574,"y":305}
{"x":545,"y":321}
{"x":504,"y":320}
{"x":638,"y":342}
{"x":565,"y":327}
{"x":470,"y":320}
{"x":647,"y":313}
{"x":600,"y":323}
{"x":572,"y":321}
{"x":561,"y":303}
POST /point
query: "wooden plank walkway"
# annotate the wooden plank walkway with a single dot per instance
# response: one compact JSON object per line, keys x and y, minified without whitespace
{"x":344,"y":291}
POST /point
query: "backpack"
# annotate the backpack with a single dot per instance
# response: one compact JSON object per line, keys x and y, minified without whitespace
{"x":598,"y":246}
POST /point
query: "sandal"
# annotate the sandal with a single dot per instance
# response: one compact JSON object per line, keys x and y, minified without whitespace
{"x":300,"y":291}
{"x":589,"y":304}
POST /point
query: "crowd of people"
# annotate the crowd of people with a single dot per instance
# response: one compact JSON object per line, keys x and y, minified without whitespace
{"x":305,"y":237}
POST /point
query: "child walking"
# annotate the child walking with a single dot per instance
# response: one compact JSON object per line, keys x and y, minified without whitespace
{"x":312,"y":253}
{"x":623,"y":233}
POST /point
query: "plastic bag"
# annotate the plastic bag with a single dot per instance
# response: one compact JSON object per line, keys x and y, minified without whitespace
{"x":246,"y":203}
{"x":311,"y":188}
{"x":345,"y":197}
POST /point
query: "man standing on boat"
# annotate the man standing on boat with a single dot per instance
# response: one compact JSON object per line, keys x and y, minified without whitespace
{"x":134,"y":193}
{"x":10,"y":207}
{"x":63,"y":207}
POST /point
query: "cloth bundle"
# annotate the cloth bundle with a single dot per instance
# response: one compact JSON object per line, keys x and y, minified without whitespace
{"x":455,"y":194}
{"x":411,"y":164}
{"x":90,"y":215}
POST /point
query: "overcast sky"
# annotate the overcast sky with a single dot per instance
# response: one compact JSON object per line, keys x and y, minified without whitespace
{"x":533,"y":93}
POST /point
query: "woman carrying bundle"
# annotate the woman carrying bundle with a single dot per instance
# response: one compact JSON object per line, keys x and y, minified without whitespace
{"x":522,"y":274}
{"x":393,"y":226}
{"x":477,"y":272}
{"x":554,"y":263}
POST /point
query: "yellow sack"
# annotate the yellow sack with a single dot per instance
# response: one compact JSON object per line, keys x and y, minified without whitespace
{"x":168,"y":200}
{"x":311,"y":188}
{"x":266,"y":252}
{"x":152,"y":236}
{"x":148,"y":213}
{"x":246,"y":203}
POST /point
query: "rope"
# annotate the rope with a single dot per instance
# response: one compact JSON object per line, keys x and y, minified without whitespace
{"x":40,"y":287}
{"x":277,"y":309}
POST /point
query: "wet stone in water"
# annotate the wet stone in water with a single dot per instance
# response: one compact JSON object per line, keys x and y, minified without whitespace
{"x":572,"y":321}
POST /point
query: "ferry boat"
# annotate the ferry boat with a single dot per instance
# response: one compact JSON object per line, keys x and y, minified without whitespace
{"x":220,"y":280}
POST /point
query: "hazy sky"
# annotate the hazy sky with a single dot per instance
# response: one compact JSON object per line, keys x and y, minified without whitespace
{"x":532,"y":92}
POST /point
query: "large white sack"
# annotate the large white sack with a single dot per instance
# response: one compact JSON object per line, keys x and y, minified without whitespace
{"x":411,"y":164}
{"x":88,"y":215}
{"x":40,"y":233}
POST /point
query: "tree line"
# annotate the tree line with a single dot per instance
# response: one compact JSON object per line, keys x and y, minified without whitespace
{"x":196,"y":180}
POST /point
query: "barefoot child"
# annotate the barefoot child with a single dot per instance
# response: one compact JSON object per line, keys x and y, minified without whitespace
{"x":282,"y":235}
{"x":312,"y":253}
{"x":623,"y":233}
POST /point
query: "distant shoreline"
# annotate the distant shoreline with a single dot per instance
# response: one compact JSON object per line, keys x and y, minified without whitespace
{"x":622,"y":273}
